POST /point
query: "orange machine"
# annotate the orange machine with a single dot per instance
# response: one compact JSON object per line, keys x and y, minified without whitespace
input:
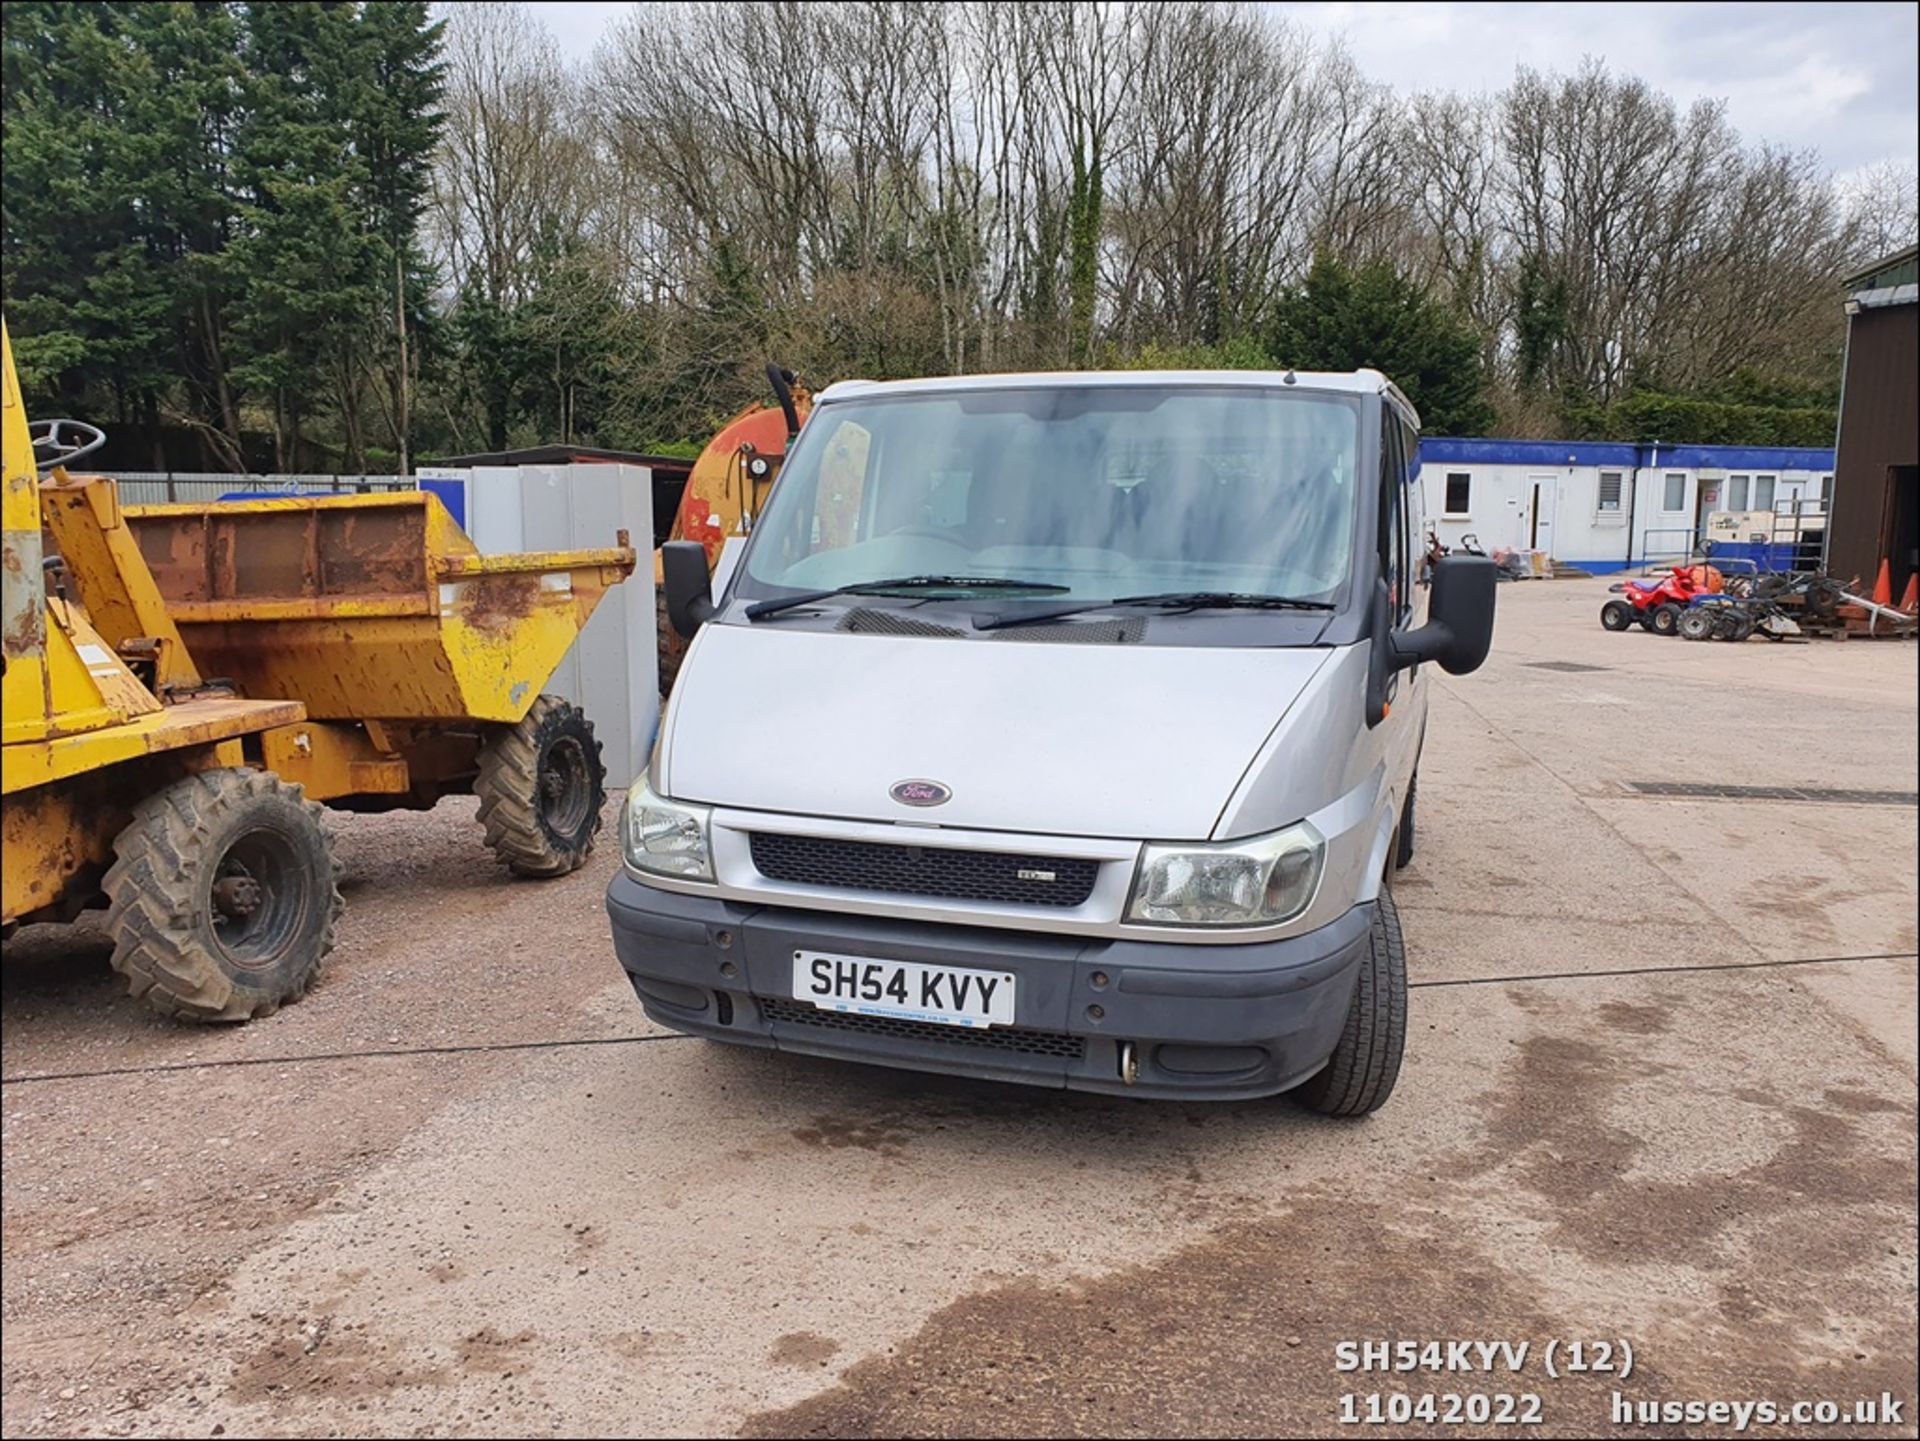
{"x":727,"y":488}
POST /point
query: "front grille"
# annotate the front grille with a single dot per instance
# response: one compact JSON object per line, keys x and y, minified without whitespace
{"x":998,"y":1038}
{"x":923,"y":870}
{"x":1078,"y":632}
{"x":874,"y":620}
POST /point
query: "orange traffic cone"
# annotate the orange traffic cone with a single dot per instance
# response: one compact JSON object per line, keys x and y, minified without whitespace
{"x":1910,"y":602}
{"x":1883,"y":585}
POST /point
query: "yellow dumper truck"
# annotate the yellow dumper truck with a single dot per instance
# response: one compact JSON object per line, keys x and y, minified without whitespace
{"x":182,"y":684}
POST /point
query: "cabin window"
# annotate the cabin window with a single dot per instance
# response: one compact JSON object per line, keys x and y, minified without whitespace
{"x":1610,"y":484}
{"x":1459,"y":493}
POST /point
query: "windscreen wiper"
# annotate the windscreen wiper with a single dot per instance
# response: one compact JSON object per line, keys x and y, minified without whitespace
{"x":906,"y":582}
{"x":1172,"y":600}
{"x":1222,"y":600}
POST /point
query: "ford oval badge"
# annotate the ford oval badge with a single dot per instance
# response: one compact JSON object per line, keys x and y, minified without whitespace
{"x":920,"y":793}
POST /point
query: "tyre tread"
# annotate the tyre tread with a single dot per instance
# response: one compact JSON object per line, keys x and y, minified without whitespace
{"x":1366,"y":1063}
{"x":507,"y":783}
{"x":151,"y":888}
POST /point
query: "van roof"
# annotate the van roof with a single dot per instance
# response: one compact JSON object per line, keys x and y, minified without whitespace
{"x":1345,"y":382}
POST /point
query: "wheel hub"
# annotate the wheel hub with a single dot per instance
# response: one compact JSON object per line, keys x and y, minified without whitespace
{"x":237,"y":897}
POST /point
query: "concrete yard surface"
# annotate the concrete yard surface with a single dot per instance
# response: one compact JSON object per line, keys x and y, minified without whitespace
{"x":1660,"y":1090}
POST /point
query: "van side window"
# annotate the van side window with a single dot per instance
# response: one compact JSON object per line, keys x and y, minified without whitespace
{"x":1396,"y":548}
{"x":1416,"y":503}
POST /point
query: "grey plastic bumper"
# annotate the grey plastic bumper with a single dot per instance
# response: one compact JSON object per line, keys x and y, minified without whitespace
{"x":1214,"y":1022}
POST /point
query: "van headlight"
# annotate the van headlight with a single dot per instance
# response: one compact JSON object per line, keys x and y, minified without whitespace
{"x":1241,"y":883}
{"x":665,"y":838}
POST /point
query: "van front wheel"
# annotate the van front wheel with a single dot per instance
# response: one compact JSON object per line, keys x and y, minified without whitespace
{"x":1359,"y":1076}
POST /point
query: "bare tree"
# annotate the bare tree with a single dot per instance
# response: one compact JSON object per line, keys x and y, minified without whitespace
{"x":889,"y":186}
{"x":1217,"y":175}
{"x":513,"y":155}
{"x":1883,"y":206}
{"x":1453,"y":174}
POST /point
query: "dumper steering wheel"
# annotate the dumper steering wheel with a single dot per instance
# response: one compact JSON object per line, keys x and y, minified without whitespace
{"x":57,"y":442}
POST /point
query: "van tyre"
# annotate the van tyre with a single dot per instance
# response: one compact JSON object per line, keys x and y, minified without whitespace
{"x":542,"y":785}
{"x":222,"y":896}
{"x":1616,"y":615}
{"x":1360,"y":1075}
{"x":1403,"y":835}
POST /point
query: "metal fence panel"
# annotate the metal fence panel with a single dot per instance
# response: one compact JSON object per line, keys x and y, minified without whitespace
{"x":160,"y":487}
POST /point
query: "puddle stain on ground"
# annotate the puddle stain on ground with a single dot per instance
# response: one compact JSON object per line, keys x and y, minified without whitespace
{"x":838,"y":1133}
{"x":1232,"y":1334}
{"x":1551,"y":1127}
{"x":803,"y":1348}
{"x":1649,"y":1020}
{"x":1235,"y":1333}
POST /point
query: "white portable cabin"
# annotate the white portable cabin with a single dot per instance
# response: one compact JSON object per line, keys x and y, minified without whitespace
{"x":1611,"y":505}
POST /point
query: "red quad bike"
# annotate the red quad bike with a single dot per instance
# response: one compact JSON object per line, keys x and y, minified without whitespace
{"x":1656,"y":606}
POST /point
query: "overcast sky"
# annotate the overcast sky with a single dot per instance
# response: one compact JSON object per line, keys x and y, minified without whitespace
{"x":1841,"y":79}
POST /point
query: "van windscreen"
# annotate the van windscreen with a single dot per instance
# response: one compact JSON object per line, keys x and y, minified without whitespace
{"x":1104,"y":490}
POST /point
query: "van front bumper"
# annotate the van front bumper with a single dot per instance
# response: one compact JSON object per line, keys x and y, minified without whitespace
{"x":1206,"y":1022}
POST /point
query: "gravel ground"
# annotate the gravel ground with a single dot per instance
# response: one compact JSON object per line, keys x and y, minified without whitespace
{"x":130,"y":1197}
{"x":465,"y":1187}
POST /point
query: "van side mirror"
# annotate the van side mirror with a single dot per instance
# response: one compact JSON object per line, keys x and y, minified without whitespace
{"x":1459,"y":629}
{"x":683,"y":568}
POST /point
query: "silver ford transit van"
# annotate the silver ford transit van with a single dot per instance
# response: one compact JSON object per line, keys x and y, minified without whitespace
{"x":1060,"y":729}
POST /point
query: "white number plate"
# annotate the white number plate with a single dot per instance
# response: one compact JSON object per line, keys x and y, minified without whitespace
{"x":940,"y":995}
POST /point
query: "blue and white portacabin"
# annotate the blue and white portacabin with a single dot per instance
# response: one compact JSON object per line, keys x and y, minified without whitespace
{"x":1608,"y":505}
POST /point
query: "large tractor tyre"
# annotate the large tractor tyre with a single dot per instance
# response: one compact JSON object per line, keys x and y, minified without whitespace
{"x":1616,"y":615}
{"x":1366,"y":1063}
{"x":1403,"y":835}
{"x":668,"y":642}
{"x":1665,"y":619}
{"x":222,"y":896}
{"x":1697,"y":623}
{"x":541,"y":787}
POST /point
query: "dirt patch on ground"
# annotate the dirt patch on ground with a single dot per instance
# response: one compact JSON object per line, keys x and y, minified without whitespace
{"x":803,"y":1348}
{"x":131,"y":1197}
{"x":1237,"y":1333}
{"x":319,"y":1359}
{"x":1553,"y":1128}
{"x":1123,"y":1355}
